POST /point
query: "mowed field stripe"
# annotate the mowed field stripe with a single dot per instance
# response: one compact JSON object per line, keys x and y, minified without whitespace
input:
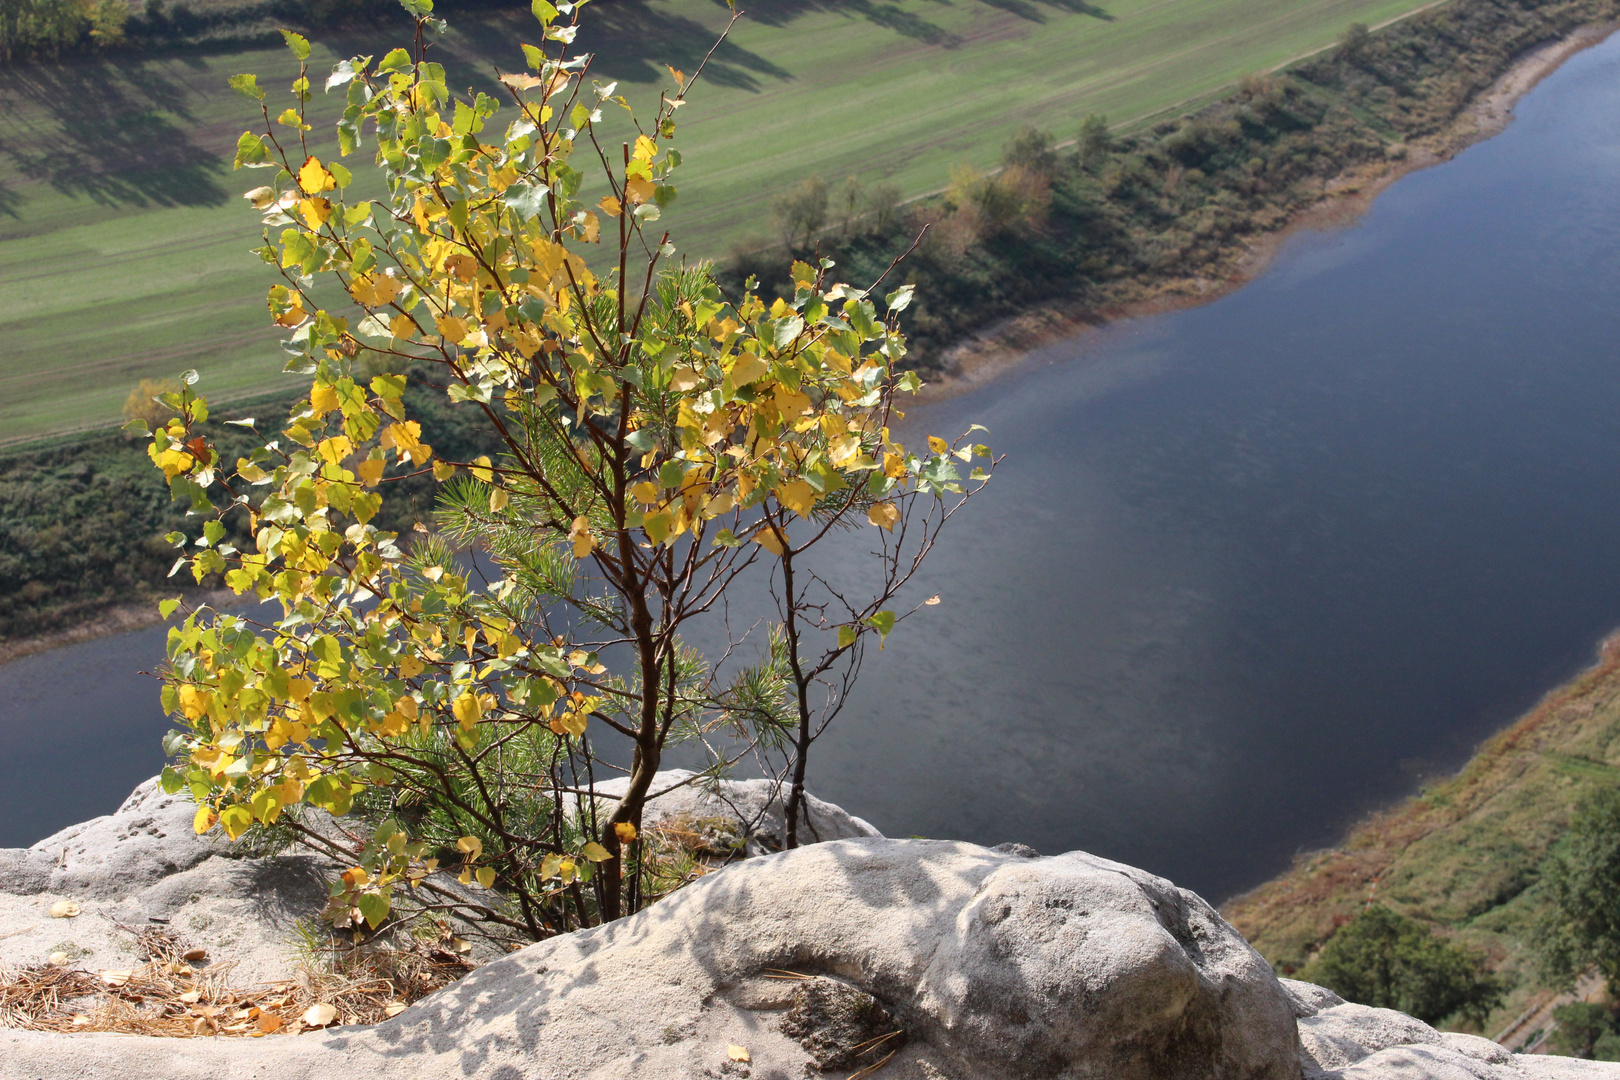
{"x":124,"y":246}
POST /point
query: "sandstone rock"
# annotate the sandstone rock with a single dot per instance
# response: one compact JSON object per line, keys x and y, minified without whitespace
{"x":1308,"y":998}
{"x":1077,"y":959}
{"x":997,"y":966}
{"x":1344,"y":1041}
{"x":145,"y":840}
{"x":754,"y":807}
{"x":1344,"y":1034}
{"x":144,"y":865}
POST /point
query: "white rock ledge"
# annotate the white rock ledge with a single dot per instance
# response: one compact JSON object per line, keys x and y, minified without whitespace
{"x":997,"y":965}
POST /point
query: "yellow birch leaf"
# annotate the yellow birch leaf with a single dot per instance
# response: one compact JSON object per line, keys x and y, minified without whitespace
{"x":625,"y":831}
{"x":737,"y":1053}
{"x":645,"y":149}
{"x":315,"y":211}
{"x":470,"y":846}
{"x":686,"y":379}
{"x":938,"y":445}
{"x":235,"y":821}
{"x":370,"y":471}
{"x":313,"y":177}
{"x":610,"y":206}
{"x":374,"y":291}
{"x":393,"y":724}
{"x":410,"y":666}
{"x":798,"y":496}
{"x":203,"y":820}
{"x":486,"y":877}
{"x":746,"y":369}
{"x":638,"y":189}
{"x":884,"y":515}
{"x":480,"y":468}
{"x":767,"y":539}
{"x":467,"y":710}
{"x":403,"y":327}
{"x":580,"y":536}
{"x":596,"y":852}
{"x":498,"y":499}
{"x":322,"y":398}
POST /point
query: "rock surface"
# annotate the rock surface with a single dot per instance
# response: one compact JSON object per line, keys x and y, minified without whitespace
{"x":144,"y":866}
{"x":755,"y":808}
{"x":962,"y":962}
{"x":1344,"y":1041}
{"x":994,"y":966}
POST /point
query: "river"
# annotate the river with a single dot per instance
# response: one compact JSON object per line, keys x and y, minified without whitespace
{"x":1249,"y":571}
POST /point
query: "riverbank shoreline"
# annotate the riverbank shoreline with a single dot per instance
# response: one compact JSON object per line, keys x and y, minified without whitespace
{"x":115,"y":619}
{"x":1463,"y":853}
{"x":1045,"y":332}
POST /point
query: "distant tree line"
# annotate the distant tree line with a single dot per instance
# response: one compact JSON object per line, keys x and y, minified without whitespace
{"x":1094,"y":217}
{"x":43,"y":30}
{"x":37,"y":29}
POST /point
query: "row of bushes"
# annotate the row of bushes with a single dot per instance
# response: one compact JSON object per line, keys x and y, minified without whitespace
{"x":31,"y":29}
{"x":50,"y":29}
{"x":82,"y":524}
{"x":1110,"y":219}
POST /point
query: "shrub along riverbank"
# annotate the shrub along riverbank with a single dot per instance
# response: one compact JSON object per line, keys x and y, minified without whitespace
{"x":1175,"y":209}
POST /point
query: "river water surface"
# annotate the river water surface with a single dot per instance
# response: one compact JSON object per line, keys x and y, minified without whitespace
{"x":1249,"y":571}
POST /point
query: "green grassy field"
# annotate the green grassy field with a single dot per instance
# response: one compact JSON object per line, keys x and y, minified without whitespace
{"x":123,"y":244}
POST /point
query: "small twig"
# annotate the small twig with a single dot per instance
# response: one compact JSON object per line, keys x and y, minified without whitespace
{"x":869,"y":1044}
{"x":870,"y":1069}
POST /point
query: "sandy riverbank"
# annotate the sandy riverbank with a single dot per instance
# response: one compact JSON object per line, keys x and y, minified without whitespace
{"x":1010,"y":342}
{"x":115,"y":619}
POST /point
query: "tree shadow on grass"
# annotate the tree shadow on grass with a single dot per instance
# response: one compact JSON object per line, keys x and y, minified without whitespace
{"x":891,"y":16}
{"x":109,"y":132}
{"x":884,"y":13}
{"x":631,"y":41}
{"x":1080,"y":7}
